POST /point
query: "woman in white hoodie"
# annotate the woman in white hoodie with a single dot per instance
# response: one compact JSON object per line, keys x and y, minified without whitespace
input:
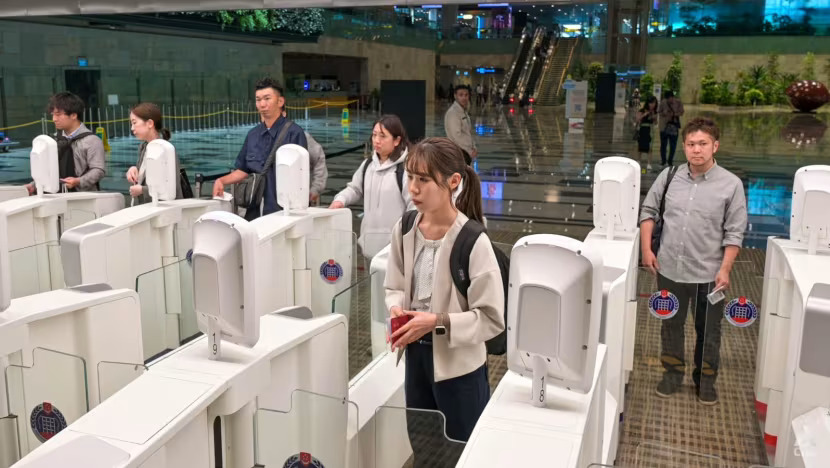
{"x":382,"y":184}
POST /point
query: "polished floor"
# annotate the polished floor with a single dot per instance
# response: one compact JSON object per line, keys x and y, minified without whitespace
{"x":541,"y":183}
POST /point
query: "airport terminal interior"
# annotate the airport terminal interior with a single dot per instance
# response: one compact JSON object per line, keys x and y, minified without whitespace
{"x":558,"y":112}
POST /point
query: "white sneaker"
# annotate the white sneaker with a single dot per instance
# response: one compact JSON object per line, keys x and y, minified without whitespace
{"x":648,"y":167}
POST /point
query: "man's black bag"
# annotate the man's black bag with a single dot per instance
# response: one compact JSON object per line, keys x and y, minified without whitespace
{"x":250,"y":192}
{"x":66,"y":157}
{"x":460,"y":269}
{"x":658,"y":224}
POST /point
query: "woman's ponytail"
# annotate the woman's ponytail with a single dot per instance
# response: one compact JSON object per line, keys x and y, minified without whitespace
{"x":469,"y":200}
{"x":165,"y":133}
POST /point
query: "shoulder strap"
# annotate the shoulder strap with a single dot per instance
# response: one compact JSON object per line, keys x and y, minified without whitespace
{"x":81,"y":136}
{"x":408,"y":221}
{"x":277,"y":144}
{"x":399,"y":176}
{"x":460,"y":255}
{"x":666,"y":190}
{"x":363,"y":167}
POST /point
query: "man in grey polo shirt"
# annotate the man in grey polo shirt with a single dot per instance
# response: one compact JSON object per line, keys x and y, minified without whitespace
{"x":703,"y":228}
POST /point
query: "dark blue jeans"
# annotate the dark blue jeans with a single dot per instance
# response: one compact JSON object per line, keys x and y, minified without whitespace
{"x":462,"y":399}
{"x":671,"y":140}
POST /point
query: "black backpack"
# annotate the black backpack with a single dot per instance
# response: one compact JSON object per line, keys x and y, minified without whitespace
{"x":398,"y":175}
{"x":460,"y":269}
{"x":66,"y":157}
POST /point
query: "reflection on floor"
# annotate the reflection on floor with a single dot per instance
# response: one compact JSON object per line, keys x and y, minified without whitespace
{"x":539,"y":181}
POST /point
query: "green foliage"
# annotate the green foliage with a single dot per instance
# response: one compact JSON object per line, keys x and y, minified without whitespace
{"x":708,"y":84}
{"x":646,"y":87}
{"x":674,"y":74}
{"x":754,"y":96}
{"x":827,"y":71}
{"x":808,"y":71}
{"x":724,"y":95}
{"x":305,"y":21}
{"x":594,"y":69}
{"x":771,"y":83}
{"x":579,"y":71}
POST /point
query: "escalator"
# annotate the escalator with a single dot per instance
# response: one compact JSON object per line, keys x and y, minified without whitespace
{"x":532,"y":61}
{"x":549,"y":89}
{"x":512,"y":79}
{"x":541,"y":56}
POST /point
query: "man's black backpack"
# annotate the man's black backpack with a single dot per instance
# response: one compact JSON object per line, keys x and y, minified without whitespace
{"x":460,"y":268}
{"x":66,"y":157}
{"x":398,"y":175}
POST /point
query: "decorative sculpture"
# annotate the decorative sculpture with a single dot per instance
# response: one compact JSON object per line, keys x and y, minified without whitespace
{"x":808,"y":95}
{"x":804,"y":131}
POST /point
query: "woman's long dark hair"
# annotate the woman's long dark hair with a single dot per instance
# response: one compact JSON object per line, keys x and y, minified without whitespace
{"x":439,"y":158}
{"x":149,"y":111}
{"x":649,"y":101}
{"x":393,"y":125}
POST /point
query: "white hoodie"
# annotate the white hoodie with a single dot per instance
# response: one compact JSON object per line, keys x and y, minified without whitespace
{"x":383,"y":202}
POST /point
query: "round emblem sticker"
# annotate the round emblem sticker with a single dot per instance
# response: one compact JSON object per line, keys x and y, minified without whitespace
{"x":302,"y":460}
{"x":331,"y":271}
{"x":741,"y":312}
{"x":46,"y":421}
{"x":663,"y":304}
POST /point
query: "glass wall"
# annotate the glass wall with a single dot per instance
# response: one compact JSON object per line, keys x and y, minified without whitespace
{"x":704,"y":18}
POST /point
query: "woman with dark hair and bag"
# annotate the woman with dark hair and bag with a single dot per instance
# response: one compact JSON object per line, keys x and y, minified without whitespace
{"x":146,"y":124}
{"x":382,"y":184}
{"x":444,"y":330}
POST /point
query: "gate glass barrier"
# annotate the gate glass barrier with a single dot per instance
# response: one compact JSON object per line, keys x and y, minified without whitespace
{"x":665,"y":390}
{"x":313,"y":430}
{"x":47,"y":396}
{"x":113,"y":376}
{"x":167,"y":314}
{"x":36,"y":269}
{"x":365,"y":342}
{"x":426,"y":433}
{"x":8,"y":441}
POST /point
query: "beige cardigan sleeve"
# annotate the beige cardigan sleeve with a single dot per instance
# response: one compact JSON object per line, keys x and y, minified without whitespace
{"x":395,"y":278}
{"x":484,"y":318}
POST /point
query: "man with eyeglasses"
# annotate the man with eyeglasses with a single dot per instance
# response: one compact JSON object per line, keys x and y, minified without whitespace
{"x":260,"y":143}
{"x":703,"y":228}
{"x":81,"y":155}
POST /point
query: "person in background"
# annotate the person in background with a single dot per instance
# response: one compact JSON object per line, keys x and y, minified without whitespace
{"x":81,"y":155}
{"x":457,"y":123}
{"x":146,"y":124}
{"x":260,"y":143}
{"x":670,"y":110}
{"x":446,"y":356}
{"x":704,"y":222}
{"x":381,"y":182}
{"x":645,"y":119}
{"x":317,"y":168}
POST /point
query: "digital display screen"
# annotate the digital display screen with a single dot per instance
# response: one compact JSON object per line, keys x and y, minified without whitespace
{"x":492,"y":190}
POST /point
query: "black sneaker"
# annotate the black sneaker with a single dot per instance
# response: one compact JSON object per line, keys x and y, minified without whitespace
{"x":706,"y":393}
{"x":669,"y":385}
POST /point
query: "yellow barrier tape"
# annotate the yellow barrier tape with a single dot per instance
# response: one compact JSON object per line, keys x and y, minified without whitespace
{"x":194,"y":116}
{"x":103,"y":122}
{"x":241,"y":112}
{"x":335,"y":103}
{"x":34,"y":122}
{"x":303,"y":108}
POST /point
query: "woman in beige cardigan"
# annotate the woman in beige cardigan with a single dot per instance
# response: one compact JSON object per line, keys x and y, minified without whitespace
{"x":444,"y":340}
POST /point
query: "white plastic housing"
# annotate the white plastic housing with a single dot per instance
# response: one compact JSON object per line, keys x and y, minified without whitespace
{"x":292,"y":177}
{"x":616,"y":195}
{"x":5,"y":267}
{"x":224,"y":266}
{"x":554,"y":309}
{"x":160,"y":174}
{"x":811,"y":199}
{"x":43,"y":163}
